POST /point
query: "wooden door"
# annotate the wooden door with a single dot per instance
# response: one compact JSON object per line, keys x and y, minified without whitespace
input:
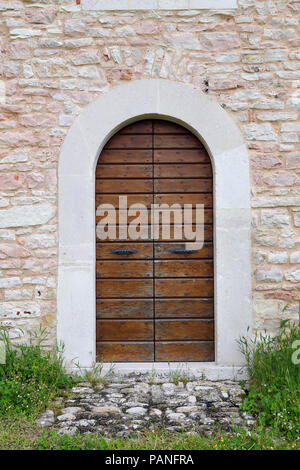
{"x":155,"y":302}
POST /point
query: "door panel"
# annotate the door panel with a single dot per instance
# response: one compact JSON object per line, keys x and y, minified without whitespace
{"x":145,"y":199}
{"x":182,"y":171}
{"x":183,"y":268}
{"x":110,"y":250}
{"x":109,"y":156}
{"x":128,"y":268}
{"x":128,"y":171}
{"x":175,"y":251}
{"x":184,"y":308}
{"x":185,"y":351}
{"x":184,"y":287}
{"x":125,"y":330}
{"x":182,"y":199}
{"x":125,"y":308}
{"x":182,"y":185}
{"x":154,"y":300}
{"x":208,"y":233}
{"x":124,"y":186}
{"x":119,"y":288}
{"x":166,"y":127}
{"x":187,"y":141}
{"x":140,"y":127}
{"x":120,"y":141}
{"x":183,"y":330}
{"x":181,"y":156}
{"x":125,"y":352}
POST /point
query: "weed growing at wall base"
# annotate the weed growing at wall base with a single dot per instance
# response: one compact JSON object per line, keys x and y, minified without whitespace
{"x":180,"y":374}
{"x":274,"y":391}
{"x":98,"y":374}
{"x":30,"y":376}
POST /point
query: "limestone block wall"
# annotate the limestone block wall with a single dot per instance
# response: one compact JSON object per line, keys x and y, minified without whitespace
{"x":57,"y":57}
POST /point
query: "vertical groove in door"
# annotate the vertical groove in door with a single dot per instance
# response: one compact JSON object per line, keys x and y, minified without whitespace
{"x":153,"y":247}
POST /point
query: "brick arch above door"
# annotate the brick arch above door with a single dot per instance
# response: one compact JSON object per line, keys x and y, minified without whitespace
{"x":189,"y":107}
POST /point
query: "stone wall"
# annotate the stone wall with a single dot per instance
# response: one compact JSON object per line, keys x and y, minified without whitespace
{"x":56,"y":58}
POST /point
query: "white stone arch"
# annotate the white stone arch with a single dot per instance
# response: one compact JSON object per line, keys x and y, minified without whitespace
{"x":181,"y":103}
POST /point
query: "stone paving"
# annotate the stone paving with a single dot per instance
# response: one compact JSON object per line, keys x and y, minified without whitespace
{"x":125,"y":409}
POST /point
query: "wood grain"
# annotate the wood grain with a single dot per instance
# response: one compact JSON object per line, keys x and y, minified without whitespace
{"x":125,"y":330}
{"x":125,"y":352}
{"x":184,"y":308}
{"x":200,"y":198}
{"x":125,"y":156}
{"x":142,"y":250}
{"x":124,"y":186}
{"x":183,"y":268}
{"x":120,"y":141}
{"x":146,"y":199}
{"x":125,"y":308}
{"x":127,"y":171}
{"x":208,"y":231}
{"x":207,"y":217}
{"x":182,"y":170}
{"x":181,"y":156}
{"x":176,"y":141}
{"x":167,"y":127}
{"x":165,"y":251}
{"x":141,"y":127}
{"x":202,"y":351}
{"x":184,"y":288}
{"x":124,"y":288}
{"x":184,"y":330}
{"x":126,"y":269}
{"x":184,"y":185}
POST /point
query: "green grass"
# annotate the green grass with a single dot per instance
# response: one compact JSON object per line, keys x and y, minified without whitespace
{"x":31,"y":377}
{"x":18,"y":433}
{"x":21,"y":433}
{"x":274,"y":391}
{"x":161,"y":440}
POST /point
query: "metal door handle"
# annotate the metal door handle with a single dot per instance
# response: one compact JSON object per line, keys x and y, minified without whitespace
{"x":123,"y":252}
{"x":183,"y":251}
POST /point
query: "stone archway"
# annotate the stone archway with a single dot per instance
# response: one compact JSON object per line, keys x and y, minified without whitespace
{"x":221,"y":137}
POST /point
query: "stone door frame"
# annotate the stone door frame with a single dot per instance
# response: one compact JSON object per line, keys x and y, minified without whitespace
{"x":189,"y":107}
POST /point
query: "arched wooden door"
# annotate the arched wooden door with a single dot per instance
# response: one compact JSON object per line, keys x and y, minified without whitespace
{"x":155,"y":301}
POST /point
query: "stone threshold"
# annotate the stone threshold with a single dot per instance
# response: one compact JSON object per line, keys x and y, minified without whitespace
{"x":195,"y":370}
